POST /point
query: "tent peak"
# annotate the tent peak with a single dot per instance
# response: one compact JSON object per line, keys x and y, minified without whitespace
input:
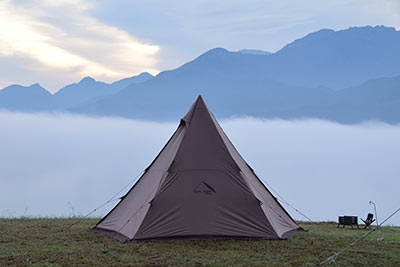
{"x":198,"y":104}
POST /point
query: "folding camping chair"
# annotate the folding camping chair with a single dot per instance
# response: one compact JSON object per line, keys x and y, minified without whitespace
{"x":370,"y":219}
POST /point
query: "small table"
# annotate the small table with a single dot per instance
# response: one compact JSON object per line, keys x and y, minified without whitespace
{"x":348,"y":220}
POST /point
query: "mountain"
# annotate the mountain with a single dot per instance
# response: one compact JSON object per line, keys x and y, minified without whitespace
{"x":79,"y":93}
{"x":89,"y":90}
{"x":25,"y":98}
{"x":295,"y":82}
{"x":347,"y":76}
{"x":377,"y":99}
{"x":254,"y":52}
{"x":231,"y":88}
{"x":121,"y":84}
{"x":36,"y":98}
{"x":338,"y":59}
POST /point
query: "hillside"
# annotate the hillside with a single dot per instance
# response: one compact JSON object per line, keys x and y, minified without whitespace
{"x":42,"y":242}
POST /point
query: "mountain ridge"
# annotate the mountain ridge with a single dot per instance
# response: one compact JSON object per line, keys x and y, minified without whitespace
{"x":322,"y":75}
{"x":84,"y":91}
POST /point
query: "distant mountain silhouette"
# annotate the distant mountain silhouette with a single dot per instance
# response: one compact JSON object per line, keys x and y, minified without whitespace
{"x":121,"y":84}
{"x":338,"y":59}
{"x":36,"y":98}
{"x":347,"y":76}
{"x":233,"y":89}
{"x":89,"y":90}
{"x":292,"y":83}
{"x":25,"y":98}
{"x":78,"y":93}
{"x":254,"y":52}
{"x":377,"y":100}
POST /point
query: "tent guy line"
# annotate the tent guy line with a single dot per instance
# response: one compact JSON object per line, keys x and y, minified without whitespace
{"x":335,"y":255}
{"x":310,"y":242}
{"x":134,"y":214}
{"x":113,"y":198}
{"x":284,"y":201}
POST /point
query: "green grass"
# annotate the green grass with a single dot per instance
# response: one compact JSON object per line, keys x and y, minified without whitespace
{"x":40,"y":242}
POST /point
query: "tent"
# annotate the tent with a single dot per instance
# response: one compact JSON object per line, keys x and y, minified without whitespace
{"x":198,"y":187}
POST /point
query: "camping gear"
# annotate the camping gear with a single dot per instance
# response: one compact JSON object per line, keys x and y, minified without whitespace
{"x":369,"y":220}
{"x":198,"y":187}
{"x":376,"y":214}
{"x":337,"y":254}
{"x":348,"y":220}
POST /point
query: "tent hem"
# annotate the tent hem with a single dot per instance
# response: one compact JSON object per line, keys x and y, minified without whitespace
{"x":120,"y":237}
{"x":205,"y":237}
{"x":289,"y":234}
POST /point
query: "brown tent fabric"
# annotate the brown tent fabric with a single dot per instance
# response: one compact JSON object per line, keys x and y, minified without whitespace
{"x":198,"y":187}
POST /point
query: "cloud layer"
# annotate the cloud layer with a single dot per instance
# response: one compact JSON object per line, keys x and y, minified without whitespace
{"x":62,"y":165}
{"x":61,"y":37}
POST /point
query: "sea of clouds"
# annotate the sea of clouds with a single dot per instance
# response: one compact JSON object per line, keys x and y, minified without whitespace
{"x":67,"y":165}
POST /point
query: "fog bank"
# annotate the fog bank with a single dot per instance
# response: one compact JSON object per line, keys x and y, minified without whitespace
{"x":63,"y":165}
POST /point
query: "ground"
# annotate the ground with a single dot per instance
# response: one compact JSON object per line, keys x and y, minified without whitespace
{"x":41,"y":242}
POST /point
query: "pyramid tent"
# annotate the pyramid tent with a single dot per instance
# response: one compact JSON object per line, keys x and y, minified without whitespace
{"x":198,"y":187}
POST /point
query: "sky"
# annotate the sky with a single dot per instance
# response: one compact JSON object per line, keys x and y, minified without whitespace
{"x":58,"y":42}
{"x":67,"y":165}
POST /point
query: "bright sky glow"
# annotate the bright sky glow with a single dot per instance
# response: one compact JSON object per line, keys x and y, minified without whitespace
{"x":74,"y":43}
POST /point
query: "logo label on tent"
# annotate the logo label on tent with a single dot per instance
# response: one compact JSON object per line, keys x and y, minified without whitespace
{"x":204,"y":188}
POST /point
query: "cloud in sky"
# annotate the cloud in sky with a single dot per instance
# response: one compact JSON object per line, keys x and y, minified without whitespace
{"x":61,"y":36}
{"x":57,"y":165}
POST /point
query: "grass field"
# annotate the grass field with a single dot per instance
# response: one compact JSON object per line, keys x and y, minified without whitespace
{"x":40,"y":242}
